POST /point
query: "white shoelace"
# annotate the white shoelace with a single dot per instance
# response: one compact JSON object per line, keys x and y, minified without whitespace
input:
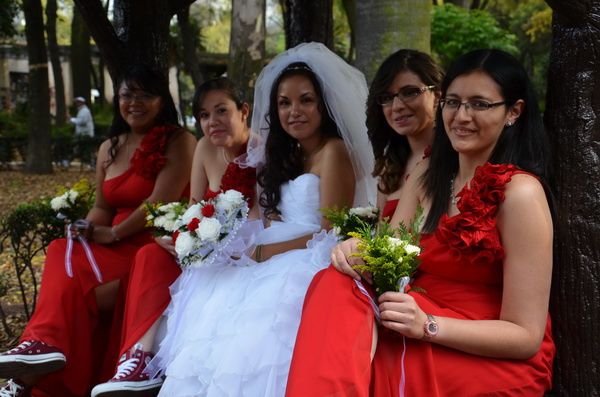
{"x":126,"y":367}
{"x":25,"y":344}
{"x":11,"y":389}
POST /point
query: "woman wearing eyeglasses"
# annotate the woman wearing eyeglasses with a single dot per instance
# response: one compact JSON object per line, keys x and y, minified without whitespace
{"x":337,"y":334}
{"x":479,"y":323}
{"x":65,"y":347}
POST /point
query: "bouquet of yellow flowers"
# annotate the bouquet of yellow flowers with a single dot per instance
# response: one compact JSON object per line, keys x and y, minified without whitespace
{"x":163,"y":217}
{"x":390,"y":255}
{"x":74,"y":203}
{"x":344,"y":221}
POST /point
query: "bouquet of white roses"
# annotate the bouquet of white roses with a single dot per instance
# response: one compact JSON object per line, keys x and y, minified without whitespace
{"x":389,"y":254}
{"x":345,"y":221}
{"x":208,"y":226}
{"x":74,"y":203}
{"x":163,"y":217}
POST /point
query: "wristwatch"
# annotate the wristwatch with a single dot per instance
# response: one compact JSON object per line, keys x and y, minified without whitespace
{"x":430,"y":327}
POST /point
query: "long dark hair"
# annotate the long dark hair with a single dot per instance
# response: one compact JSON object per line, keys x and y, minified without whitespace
{"x":150,"y":80}
{"x":524,"y":144}
{"x":391,"y":149}
{"x":217,"y":84}
{"x":283,"y":154}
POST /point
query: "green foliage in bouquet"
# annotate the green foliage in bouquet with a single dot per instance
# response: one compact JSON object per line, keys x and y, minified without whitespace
{"x":345,"y":221}
{"x":389,"y":254}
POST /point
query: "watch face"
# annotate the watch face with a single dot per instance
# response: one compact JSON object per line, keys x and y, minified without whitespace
{"x":432,"y":328}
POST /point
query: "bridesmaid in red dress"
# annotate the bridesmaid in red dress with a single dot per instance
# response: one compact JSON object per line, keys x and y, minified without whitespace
{"x":223,"y":115}
{"x":479,"y":325}
{"x":335,"y":342}
{"x":147,"y":157}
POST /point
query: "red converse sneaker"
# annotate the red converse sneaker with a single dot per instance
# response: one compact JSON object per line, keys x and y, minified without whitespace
{"x":130,"y":379}
{"x":29,"y":358}
{"x":14,"y":388}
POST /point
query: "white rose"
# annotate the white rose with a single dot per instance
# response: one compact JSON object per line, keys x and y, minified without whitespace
{"x":184,"y":244}
{"x":209,"y":229}
{"x":412,"y":249}
{"x":72,"y":195}
{"x":191,"y":213}
{"x":60,"y":202}
{"x":395,"y":242}
{"x":363,"y":212}
{"x":229,"y":200}
{"x":337,"y":230}
{"x":169,"y":225}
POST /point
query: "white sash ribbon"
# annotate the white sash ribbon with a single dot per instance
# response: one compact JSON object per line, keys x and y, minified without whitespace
{"x":80,"y":224}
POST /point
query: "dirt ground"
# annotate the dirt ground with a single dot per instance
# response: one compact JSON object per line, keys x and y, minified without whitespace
{"x":15,"y":188}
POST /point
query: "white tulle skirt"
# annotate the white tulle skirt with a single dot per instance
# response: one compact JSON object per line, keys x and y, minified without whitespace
{"x":230,"y":330}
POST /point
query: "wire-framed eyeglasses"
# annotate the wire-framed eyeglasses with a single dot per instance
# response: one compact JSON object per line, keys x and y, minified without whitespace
{"x":478,"y":105}
{"x":406,"y":95}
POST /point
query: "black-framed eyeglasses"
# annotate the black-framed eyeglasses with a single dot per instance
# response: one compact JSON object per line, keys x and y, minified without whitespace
{"x":453,"y":105}
{"x":142,"y":96}
{"x":406,"y":95}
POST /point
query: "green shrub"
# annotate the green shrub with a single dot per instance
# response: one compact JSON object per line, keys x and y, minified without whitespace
{"x":456,"y":30}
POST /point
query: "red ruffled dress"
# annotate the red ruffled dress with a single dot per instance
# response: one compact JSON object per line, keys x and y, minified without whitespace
{"x":155,"y":269}
{"x":66,"y":315}
{"x":461,"y":272}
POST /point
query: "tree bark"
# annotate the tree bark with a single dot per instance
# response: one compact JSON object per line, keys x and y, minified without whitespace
{"x":350,"y":8}
{"x":81,"y":57}
{"x":190,"y":43}
{"x":572,"y":118}
{"x":307,"y":20}
{"x":140,"y":32}
{"x":387,"y":26}
{"x":59,"y":85}
{"x":38,"y":141}
{"x":247,"y":44}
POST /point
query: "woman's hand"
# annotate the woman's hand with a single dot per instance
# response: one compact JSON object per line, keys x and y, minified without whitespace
{"x":166,"y":242}
{"x":343,"y":260}
{"x":103,"y":235}
{"x":401,"y":313}
{"x":81,"y":228}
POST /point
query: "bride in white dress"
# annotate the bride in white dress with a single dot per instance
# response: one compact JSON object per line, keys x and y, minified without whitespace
{"x":231,"y":329}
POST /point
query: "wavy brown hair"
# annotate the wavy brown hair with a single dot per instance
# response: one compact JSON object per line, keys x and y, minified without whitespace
{"x":392,"y":150}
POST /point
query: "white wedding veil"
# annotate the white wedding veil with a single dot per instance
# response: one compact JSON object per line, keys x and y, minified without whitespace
{"x":345,"y":92}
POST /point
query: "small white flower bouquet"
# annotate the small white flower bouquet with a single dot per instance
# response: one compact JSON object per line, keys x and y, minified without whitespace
{"x":345,"y":221}
{"x":208,"y":226}
{"x":389,"y":254}
{"x":74,"y":203}
{"x":163,"y":217}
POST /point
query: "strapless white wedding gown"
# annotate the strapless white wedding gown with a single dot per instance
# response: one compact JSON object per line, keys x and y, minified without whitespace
{"x":230,"y":330}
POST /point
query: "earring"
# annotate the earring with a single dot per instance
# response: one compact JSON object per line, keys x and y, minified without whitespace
{"x":509,"y":123}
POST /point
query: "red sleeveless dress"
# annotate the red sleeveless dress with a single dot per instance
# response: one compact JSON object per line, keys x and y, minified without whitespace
{"x":155,"y":269}
{"x":461,"y":272}
{"x":66,"y":315}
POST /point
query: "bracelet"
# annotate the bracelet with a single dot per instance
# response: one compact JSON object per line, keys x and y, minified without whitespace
{"x":114,"y":234}
{"x":257,"y":252}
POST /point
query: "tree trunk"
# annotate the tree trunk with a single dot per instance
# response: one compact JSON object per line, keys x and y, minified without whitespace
{"x":81,"y":57}
{"x":350,"y":8}
{"x":190,"y":43}
{"x":247,"y":44}
{"x":307,"y":20}
{"x":38,"y":141}
{"x":59,"y":85}
{"x":460,"y":3}
{"x":572,"y":119}
{"x":140,"y":32}
{"x":387,"y":26}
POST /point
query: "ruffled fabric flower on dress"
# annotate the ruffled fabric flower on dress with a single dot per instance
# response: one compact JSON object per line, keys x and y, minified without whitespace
{"x":472,"y":233}
{"x":150,"y":158}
